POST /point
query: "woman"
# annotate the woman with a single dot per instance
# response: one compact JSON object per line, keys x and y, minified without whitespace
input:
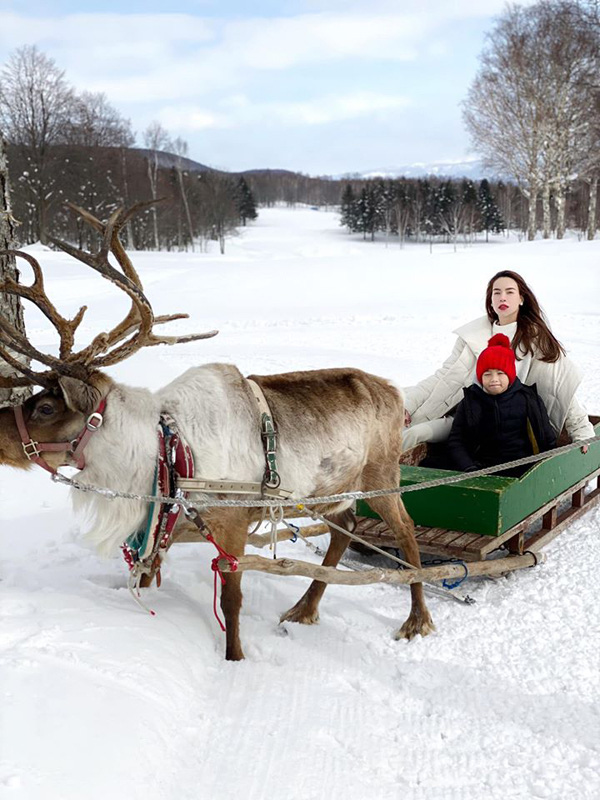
{"x":512,"y":309}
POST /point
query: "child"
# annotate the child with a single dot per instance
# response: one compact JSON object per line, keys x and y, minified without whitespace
{"x":500,"y":420}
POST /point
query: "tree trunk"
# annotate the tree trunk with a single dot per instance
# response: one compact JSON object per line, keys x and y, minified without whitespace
{"x":560,"y":202}
{"x":152,"y":177}
{"x":532,"y":221}
{"x":591,"y":225}
{"x":128,"y":225}
{"x":10,"y":306}
{"x":546,"y":211}
{"x":186,"y":207}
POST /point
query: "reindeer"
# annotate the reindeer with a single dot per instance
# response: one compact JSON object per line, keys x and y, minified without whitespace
{"x":339,"y":429}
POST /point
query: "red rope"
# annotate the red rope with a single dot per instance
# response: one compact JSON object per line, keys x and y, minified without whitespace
{"x":233,"y":563}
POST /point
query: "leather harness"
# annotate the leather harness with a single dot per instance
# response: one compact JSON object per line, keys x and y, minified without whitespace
{"x":73,"y":448}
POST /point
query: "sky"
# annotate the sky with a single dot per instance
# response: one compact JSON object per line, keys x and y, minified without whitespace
{"x":325,"y":87}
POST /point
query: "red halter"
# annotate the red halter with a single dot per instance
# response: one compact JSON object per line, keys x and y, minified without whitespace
{"x":74,"y":448}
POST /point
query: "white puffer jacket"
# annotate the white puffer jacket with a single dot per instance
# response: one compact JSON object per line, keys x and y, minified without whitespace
{"x":556,"y":383}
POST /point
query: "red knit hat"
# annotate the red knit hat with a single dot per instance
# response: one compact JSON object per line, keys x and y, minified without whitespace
{"x":497,"y":355}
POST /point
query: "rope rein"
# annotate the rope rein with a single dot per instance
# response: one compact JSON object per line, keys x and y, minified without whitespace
{"x":205,"y":501}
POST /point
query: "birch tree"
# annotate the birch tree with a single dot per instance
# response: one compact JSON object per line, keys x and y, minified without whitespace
{"x":528,"y":110}
{"x":504,"y":108}
{"x":156,"y":139}
{"x":180,"y":148}
{"x":10,"y":307}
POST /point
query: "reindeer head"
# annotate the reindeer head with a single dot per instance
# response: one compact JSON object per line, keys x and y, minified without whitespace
{"x":73,"y":383}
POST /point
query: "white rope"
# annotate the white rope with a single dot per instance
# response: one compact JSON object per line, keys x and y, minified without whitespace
{"x":205,"y":501}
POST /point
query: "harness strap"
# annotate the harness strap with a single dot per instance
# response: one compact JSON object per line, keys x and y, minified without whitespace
{"x":229,"y":487}
{"x":75,"y":448}
{"x":271,"y":479}
{"x":260,"y":398}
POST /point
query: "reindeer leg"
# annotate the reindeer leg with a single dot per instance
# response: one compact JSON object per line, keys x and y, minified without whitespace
{"x":230,"y":529}
{"x":306,"y":610}
{"x":392,"y":511}
{"x":231,"y":604}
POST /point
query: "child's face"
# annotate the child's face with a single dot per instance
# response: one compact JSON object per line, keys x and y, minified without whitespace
{"x":494,"y":381}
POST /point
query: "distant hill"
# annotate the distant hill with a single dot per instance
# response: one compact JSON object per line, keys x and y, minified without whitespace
{"x":472,"y":169}
{"x":170,"y":160}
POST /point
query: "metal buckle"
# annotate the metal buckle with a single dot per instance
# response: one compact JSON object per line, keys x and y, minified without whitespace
{"x":30,"y":449}
{"x":90,"y":426}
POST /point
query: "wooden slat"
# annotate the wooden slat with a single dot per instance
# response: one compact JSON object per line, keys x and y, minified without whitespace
{"x":445,"y":538}
{"x":429,"y":534}
{"x":463,"y":541}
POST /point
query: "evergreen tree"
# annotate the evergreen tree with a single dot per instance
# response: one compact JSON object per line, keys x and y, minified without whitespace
{"x":348,"y":208}
{"x":245,"y":201}
{"x":379,"y":202}
{"x":491,"y":219}
{"x":365,"y":212}
{"x":471,"y":207}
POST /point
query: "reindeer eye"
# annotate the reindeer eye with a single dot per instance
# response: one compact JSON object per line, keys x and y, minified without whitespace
{"x":46,"y":409}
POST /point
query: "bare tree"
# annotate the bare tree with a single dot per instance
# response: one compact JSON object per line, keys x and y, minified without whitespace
{"x":156,"y":139}
{"x":96,"y":123}
{"x":220,"y":215}
{"x":504,"y":108}
{"x":570,"y":46}
{"x":180,"y":148}
{"x":35,"y":108}
{"x":528,"y":110}
{"x":10,"y":306}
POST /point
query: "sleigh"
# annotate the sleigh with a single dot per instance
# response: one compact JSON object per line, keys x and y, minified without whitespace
{"x":464,"y":525}
{"x":472,"y":519}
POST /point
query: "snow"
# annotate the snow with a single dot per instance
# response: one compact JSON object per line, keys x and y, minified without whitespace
{"x":102,"y":701}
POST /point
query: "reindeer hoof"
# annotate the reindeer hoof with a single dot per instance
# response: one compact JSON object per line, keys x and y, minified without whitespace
{"x":299,"y":613}
{"x":234,"y":654}
{"x":414,"y":625}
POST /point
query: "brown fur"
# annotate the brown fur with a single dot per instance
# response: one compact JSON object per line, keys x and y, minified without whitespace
{"x":354,"y":418}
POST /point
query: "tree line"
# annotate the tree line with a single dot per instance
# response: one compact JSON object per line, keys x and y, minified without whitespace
{"x":68,"y":147}
{"x":422,"y":209}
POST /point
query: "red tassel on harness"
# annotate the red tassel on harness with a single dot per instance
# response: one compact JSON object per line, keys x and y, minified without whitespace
{"x":233,"y":563}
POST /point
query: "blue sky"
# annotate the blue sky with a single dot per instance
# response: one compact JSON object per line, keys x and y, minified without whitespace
{"x":320,"y":86}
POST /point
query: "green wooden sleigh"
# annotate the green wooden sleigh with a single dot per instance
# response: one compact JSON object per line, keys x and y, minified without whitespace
{"x":471,"y":519}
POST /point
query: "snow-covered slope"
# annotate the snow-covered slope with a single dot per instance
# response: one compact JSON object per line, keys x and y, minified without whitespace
{"x":102,"y":701}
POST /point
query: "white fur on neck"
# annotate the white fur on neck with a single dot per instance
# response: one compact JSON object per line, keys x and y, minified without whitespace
{"x":121,"y":456}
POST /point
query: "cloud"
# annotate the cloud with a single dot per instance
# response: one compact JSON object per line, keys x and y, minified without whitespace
{"x":239,"y":111}
{"x":143,"y":57}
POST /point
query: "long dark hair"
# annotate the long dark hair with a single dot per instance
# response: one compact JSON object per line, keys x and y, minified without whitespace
{"x":533,"y":334}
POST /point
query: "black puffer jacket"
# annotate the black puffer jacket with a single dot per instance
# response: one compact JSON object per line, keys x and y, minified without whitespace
{"x":492,"y":429}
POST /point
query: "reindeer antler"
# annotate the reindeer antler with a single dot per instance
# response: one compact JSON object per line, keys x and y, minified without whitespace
{"x":131,"y":334}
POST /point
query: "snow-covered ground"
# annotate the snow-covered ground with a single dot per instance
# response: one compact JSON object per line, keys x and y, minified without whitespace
{"x":102,"y":701}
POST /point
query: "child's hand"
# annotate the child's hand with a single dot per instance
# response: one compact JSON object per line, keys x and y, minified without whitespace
{"x":584,"y":449}
{"x":407,"y":419}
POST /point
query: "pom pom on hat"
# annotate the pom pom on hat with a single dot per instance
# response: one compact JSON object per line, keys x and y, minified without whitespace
{"x":497,"y":355}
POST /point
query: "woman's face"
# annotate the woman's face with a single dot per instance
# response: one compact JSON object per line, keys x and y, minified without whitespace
{"x":506,"y":300}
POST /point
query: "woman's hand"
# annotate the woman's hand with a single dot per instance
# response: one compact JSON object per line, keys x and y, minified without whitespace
{"x":584,"y":449}
{"x":407,"y":419}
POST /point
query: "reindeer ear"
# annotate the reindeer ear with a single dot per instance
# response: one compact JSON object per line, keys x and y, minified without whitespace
{"x":81,"y":396}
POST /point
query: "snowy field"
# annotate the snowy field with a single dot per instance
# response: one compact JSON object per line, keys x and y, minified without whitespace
{"x":102,"y":702}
